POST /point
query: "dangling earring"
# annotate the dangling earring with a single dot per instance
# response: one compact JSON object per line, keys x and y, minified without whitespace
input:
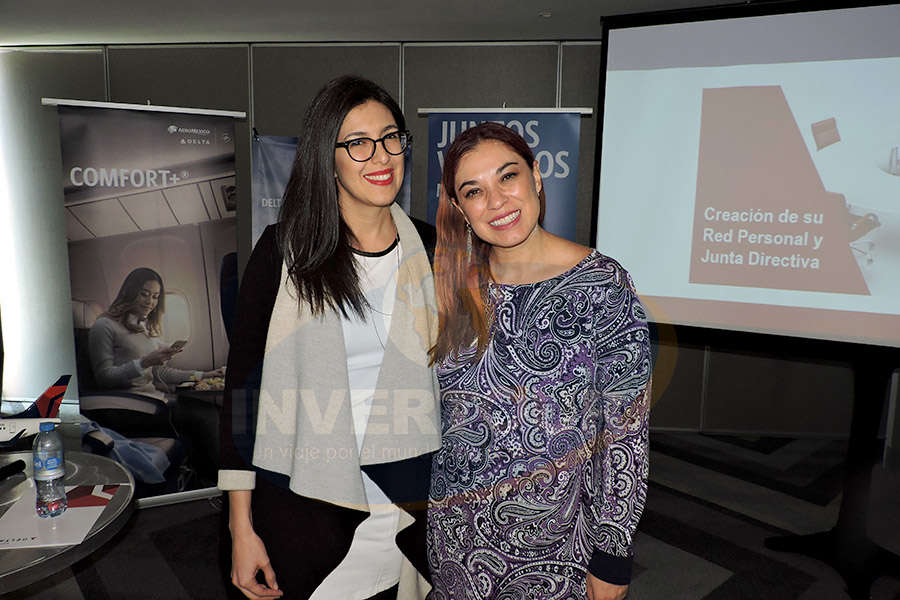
{"x":468,"y":243}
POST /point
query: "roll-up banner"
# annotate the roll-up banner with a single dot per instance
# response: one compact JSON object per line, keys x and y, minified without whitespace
{"x":149,"y":203}
{"x":273,"y":157}
{"x":553,"y":138}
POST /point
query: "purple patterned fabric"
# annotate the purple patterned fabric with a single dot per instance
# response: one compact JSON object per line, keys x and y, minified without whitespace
{"x":543,"y":463}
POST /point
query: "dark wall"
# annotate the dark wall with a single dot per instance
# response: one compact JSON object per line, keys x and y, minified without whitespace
{"x":286,"y":77}
{"x":720,"y":382}
{"x":579,"y":82}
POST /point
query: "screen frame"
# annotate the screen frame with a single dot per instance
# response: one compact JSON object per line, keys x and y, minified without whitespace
{"x":693,"y":15}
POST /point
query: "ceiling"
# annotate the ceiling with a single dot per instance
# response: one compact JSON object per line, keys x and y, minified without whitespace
{"x":63,"y":22}
{"x":167,"y":207}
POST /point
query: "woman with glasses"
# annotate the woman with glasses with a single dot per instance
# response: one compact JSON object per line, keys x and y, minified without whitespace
{"x":543,"y":359}
{"x":330,"y":416}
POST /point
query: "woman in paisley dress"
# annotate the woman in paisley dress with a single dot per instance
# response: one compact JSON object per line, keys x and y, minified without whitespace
{"x":543,"y":361}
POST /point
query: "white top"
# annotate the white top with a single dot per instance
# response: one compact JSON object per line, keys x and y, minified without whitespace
{"x":116,"y":354}
{"x":373,"y":562}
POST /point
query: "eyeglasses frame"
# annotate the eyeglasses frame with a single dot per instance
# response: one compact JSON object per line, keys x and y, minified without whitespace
{"x":346,"y":145}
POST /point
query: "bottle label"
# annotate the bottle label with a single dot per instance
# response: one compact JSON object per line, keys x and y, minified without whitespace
{"x":48,"y":467}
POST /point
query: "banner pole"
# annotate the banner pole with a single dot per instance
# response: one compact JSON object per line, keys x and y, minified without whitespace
{"x":581,"y":110}
{"x":237,"y":114}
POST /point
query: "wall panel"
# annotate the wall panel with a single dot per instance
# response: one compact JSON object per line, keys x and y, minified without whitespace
{"x":287,"y":77}
{"x":777,"y":393}
{"x":677,"y":385}
{"x":579,"y":81}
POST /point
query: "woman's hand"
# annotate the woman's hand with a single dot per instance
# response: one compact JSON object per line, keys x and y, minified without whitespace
{"x":597,"y":589}
{"x":248,"y":556}
{"x":157,"y":357}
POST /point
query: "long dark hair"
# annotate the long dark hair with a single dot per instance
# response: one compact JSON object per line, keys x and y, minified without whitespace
{"x":127,"y":297}
{"x":313,"y":236}
{"x":461,"y":284}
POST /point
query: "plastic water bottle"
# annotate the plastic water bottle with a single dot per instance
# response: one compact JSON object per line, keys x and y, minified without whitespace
{"x":49,"y":472}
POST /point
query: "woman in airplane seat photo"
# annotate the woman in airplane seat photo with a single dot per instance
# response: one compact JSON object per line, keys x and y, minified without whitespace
{"x":543,"y":360}
{"x":330,"y":414}
{"x":126,"y":350}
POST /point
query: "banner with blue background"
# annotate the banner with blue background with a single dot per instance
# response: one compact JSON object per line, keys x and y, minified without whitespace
{"x":553,"y":138}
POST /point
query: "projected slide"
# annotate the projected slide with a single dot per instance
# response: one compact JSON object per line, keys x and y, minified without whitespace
{"x":761,"y":215}
{"x":761,"y":192}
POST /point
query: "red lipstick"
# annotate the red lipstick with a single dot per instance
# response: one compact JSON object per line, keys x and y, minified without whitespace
{"x":383,"y":177}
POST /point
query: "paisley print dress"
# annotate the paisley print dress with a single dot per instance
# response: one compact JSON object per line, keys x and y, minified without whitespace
{"x":543,"y":465}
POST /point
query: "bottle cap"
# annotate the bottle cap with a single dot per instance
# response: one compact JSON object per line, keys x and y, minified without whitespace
{"x":48,"y":426}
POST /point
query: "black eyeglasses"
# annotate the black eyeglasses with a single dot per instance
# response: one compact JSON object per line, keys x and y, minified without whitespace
{"x":362,"y":149}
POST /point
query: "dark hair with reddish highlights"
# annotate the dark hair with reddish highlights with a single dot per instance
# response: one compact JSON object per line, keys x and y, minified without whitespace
{"x":460,"y":284}
{"x":127,"y":298}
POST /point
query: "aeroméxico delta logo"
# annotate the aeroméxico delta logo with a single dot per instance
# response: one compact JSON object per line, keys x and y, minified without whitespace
{"x":197,"y":136}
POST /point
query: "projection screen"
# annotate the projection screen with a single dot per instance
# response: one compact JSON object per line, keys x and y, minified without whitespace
{"x":750,"y":170}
